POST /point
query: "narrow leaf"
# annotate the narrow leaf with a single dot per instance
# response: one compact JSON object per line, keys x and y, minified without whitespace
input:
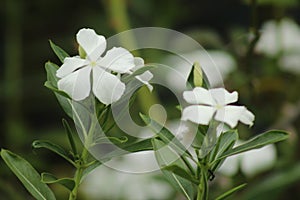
{"x":166,"y":156}
{"x":52,"y":147}
{"x":50,"y":179}
{"x":90,"y":168}
{"x":180,"y":172}
{"x":231,"y":191}
{"x":258,"y":142}
{"x":143,"y":145}
{"x":51,"y":83}
{"x":225,"y":142}
{"x":166,"y":136}
{"x":29,"y":177}
{"x":70,"y":136}
{"x":51,"y":69}
{"x":60,"y":53}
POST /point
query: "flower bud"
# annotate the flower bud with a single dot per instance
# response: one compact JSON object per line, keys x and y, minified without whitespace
{"x":81,"y":52}
{"x":197,"y":75}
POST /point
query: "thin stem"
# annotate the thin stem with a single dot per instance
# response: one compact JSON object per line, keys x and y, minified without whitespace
{"x":203,"y":189}
{"x":82,"y":163}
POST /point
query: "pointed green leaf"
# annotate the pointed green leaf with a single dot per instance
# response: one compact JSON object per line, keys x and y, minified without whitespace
{"x":180,"y":172}
{"x":50,"y":179}
{"x":60,"y":53}
{"x":143,"y":145}
{"x":51,"y":69}
{"x":166,"y":136}
{"x":70,"y":136}
{"x":51,"y":83}
{"x":93,"y":165}
{"x":52,"y":147}
{"x":230,"y":192}
{"x":165,"y":156}
{"x":225,"y":142}
{"x":258,"y":142}
{"x":29,"y":177}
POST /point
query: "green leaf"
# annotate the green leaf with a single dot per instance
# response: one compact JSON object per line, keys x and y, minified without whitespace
{"x":51,"y":69}
{"x":61,"y":54}
{"x":50,"y":179}
{"x":165,"y":156}
{"x":230,"y":192}
{"x":93,"y":165}
{"x":29,"y":177}
{"x":181,"y":172}
{"x":140,"y":71}
{"x":51,"y":83}
{"x":52,"y":147}
{"x":70,"y":136}
{"x":257,"y":142}
{"x":225,"y":142}
{"x":166,"y":136}
{"x":143,"y":145}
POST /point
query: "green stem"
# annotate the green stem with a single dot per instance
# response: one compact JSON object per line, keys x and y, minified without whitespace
{"x":203,"y":189}
{"x":82,"y":163}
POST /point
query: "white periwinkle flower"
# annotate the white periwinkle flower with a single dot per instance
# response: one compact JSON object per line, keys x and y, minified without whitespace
{"x":213,"y":103}
{"x":79,"y":75}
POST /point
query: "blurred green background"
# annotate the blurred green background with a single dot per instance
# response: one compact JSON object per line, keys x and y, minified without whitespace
{"x":268,"y":88}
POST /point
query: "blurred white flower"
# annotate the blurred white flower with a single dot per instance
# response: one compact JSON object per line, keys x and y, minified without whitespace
{"x":213,"y":103}
{"x":290,"y":62}
{"x":278,"y":37}
{"x":250,"y":162}
{"x":108,"y":183}
{"x":216,"y":65}
{"x":281,"y":38}
{"x":77,"y":73}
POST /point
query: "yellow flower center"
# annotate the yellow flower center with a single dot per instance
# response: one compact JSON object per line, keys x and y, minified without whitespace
{"x":93,"y":63}
{"x":218,"y":106}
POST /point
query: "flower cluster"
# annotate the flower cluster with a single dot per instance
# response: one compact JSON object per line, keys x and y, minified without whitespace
{"x":101,"y":74}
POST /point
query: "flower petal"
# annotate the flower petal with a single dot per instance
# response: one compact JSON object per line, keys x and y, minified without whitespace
{"x":92,"y":43}
{"x":107,"y":87}
{"x":247,"y":117}
{"x":223,"y":97}
{"x":138,"y":62}
{"x":77,"y":85}
{"x":70,"y":64}
{"x":144,"y":78}
{"x":198,"y":114}
{"x":230,"y":115}
{"x":198,"y":95}
{"x":118,"y":60}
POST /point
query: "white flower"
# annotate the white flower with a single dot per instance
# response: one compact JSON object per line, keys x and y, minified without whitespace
{"x":79,"y":75}
{"x":277,"y":37}
{"x":213,"y":103}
